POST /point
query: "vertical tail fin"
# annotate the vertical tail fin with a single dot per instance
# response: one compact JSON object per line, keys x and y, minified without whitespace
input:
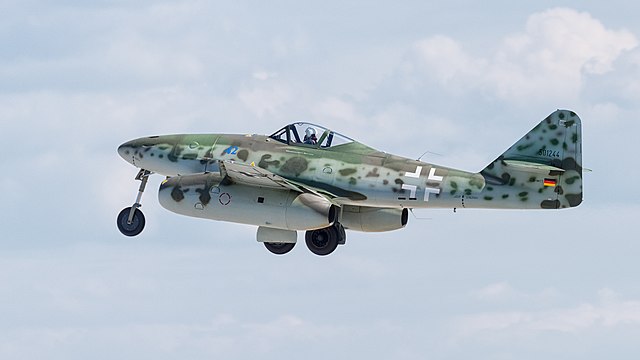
{"x":547,"y":157}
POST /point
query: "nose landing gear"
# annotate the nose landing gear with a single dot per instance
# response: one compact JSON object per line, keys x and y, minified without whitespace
{"x":131,"y":220}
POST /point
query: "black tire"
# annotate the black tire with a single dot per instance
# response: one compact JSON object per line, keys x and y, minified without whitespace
{"x":322,"y":241}
{"x":136,"y":226}
{"x":279,"y":248}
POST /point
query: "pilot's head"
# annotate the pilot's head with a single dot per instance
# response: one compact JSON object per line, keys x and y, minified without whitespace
{"x":310,"y":132}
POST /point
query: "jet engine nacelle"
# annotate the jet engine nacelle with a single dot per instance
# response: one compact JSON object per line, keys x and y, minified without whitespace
{"x":208,"y":196}
{"x":368,"y":219}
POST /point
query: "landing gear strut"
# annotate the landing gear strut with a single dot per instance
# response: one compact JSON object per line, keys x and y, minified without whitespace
{"x":324,"y":241}
{"x":131,"y":220}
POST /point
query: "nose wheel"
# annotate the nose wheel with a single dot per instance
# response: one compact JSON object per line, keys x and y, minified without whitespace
{"x":133,"y":227}
{"x":131,"y":219}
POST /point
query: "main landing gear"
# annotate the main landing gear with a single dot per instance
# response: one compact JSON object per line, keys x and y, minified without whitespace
{"x":131,"y":220}
{"x":324,"y":241}
{"x":279,"y":248}
{"x":320,"y":241}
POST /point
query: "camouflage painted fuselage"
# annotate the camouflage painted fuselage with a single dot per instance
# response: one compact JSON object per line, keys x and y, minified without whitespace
{"x":541,"y":171}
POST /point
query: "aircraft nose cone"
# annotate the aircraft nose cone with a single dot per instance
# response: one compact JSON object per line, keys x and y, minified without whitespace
{"x":126,"y":151}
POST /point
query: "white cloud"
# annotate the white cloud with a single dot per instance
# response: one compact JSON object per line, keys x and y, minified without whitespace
{"x":504,"y":292}
{"x":264,"y":75}
{"x":608,"y":311}
{"x":223,"y":335}
{"x":549,"y":60}
{"x":495,"y":291}
{"x":446,"y":60}
{"x":558,"y":47}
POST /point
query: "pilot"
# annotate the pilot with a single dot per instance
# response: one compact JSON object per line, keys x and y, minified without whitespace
{"x":310,"y":136}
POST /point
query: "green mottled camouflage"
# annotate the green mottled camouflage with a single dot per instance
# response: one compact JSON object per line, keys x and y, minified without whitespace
{"x":355,"y":174}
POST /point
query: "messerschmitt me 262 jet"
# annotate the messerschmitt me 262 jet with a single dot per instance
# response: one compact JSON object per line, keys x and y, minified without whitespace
{"x":305,"y":177}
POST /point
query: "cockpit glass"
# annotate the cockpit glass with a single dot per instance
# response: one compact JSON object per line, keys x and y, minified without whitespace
{"x":281,"y":135}
{"x":335,"y":139}
{"x":310,"y":135}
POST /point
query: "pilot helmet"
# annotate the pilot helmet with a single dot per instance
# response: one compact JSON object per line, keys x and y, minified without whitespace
{"x":310,"y":132}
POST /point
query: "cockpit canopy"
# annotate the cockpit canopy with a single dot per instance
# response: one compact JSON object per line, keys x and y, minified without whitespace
{"x":311,"y":135}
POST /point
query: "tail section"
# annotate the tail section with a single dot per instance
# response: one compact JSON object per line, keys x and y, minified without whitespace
{"x":542,"y":170}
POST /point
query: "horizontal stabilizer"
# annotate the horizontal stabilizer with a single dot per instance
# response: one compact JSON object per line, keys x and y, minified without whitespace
{"x":533,"y":167}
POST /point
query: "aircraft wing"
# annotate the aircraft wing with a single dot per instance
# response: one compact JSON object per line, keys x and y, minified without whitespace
{"x":255,"y":176}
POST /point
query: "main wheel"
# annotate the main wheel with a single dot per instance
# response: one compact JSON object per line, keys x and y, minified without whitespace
{"x":279,"y":248}
{"x":136,"y":226}
{"x":322,"y":241}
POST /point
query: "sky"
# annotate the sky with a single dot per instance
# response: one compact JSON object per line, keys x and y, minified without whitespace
{"x":461,"y":80}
